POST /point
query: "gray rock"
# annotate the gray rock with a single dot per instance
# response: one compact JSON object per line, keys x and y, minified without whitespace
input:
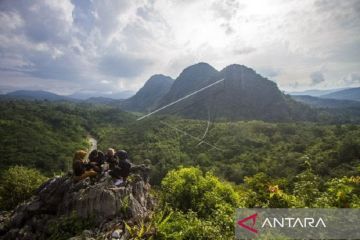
{"x":107,"y":205}
{"x":117,"y":234}
{"x":105,"y":201}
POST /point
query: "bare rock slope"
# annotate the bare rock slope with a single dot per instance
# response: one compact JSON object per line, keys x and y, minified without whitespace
{"x":108,"y":207}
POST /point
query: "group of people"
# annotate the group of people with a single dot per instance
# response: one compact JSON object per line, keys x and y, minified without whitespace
{"x":115,"y":164}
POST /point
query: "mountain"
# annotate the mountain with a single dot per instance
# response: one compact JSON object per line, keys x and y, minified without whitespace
{"x":77,"y":97}
{"x":315,"y":92}
{"x":101,"y":100}
{"x":242,"y":94}
{"x":35,"y":95}
{"x":190,"y":79}
{"x":319,"y":102}
{"x":149,"y":95}
{"x":84,"y":95}
{"x":346,"y":94}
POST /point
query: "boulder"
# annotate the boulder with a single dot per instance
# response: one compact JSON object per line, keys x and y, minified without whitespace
{"x":107,"y":205}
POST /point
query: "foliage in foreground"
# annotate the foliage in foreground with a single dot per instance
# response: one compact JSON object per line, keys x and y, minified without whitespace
{"x":68,"y":226}
{"x":195,"y":205}
{"x":17,"y":184}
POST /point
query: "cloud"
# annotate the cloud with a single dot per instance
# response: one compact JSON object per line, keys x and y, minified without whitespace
{"x":244,"y":50}
{"x":80,"y":45}
{"x":269,"y":72}
{"x":122,"y":66}
{"x":42,"y":21}
{"x":352,"y":79}
{"x":316,"y":78}
{"x":226,"y":8}
{"x":344,"y":13}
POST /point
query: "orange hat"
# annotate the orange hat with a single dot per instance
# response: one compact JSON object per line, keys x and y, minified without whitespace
{"x":80,"y":155}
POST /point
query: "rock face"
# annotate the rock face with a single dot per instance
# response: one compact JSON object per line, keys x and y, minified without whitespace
{"x":101,"y":201}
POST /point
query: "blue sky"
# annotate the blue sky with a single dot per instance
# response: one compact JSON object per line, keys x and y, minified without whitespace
{"x":109,"y":46}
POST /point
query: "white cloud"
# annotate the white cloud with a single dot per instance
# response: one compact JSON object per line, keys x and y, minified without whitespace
{"x":352,"y":78}
{"x":83,"y":44}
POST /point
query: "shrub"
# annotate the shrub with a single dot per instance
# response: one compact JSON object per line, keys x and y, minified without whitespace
{"x":69,"y":226}
{"x":17,"y":185}
{"x":201,"y":206}
{"x":179,"y":225}
{"x":189,"y":189}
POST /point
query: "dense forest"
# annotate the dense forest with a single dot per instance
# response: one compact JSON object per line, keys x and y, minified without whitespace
{"x":233,"y":150}
{"x":200,"y":171}
{"x":44,"y":135}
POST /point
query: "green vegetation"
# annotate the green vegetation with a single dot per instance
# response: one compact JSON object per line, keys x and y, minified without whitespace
{"x":17,"y":184}
{"x":68,"y":226}
{"x":195,"y":205}
{"x":279,"y":150}
{"x":44,"y":135}
{"x":200,"y":181}
{"x":188,"y":188}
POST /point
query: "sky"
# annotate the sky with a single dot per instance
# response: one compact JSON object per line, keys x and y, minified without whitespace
{"x":115,"y":45}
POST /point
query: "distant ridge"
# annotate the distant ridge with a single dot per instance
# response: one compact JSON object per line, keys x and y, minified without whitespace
{"x":36,"y":95}
{"x":346,"y":94}
{"x":49,"y":96}
{"x":82,"y":95}
{"x":315,"y":92}
{"x":320,"y":102}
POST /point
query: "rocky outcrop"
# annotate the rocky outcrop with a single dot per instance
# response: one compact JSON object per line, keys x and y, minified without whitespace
{"x":106,"y":205}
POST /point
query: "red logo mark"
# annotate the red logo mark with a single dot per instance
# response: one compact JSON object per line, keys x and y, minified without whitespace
{"x":253,"y":218}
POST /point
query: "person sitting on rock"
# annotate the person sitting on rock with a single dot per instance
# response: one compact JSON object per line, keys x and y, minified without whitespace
{"x":111,"y":159}
{"x":96,"y":160}
{"x":80,"y":167}
{"x":122,"y":170}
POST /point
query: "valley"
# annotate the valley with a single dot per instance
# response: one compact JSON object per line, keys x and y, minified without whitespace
{"x":231,"y":133}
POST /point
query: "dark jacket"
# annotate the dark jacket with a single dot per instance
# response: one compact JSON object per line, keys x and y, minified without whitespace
{"x":78,"y":168}
{"x":97,"y":161}
{"x":122,"y":169}
{"x":112,"y":161}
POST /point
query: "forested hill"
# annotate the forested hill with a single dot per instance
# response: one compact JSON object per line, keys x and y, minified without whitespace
{"x":148,"y":97}
{"x":234,"y":93}
{"x":45,"y":134}
{"x":242,"y":95}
